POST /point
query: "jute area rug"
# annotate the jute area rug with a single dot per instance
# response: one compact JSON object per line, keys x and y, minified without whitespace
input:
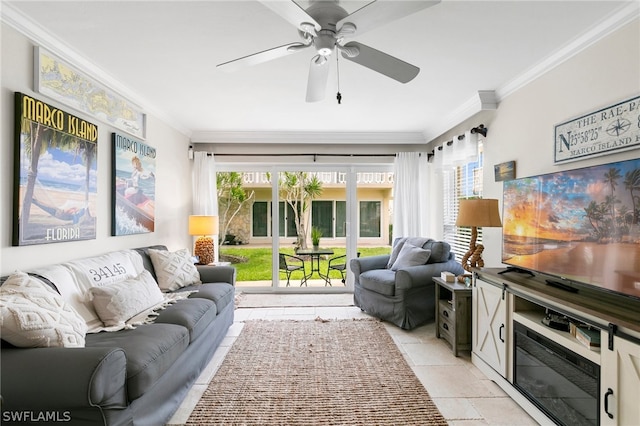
{"x":338,"y":372}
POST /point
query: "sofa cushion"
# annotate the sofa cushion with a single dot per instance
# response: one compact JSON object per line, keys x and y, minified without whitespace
{"x":150,"y":349}
{"x":32,"y":314}
{"x":398,"y":244}
{"x":411,"y":255}
{"x":174,"y":269}
{"x":193,"y":314}
{"x":119,"y":302}
{"x":379,"y":280}
{"x":440,"y":251}
{"x":222,"y":294}
{"x":146,"y":259}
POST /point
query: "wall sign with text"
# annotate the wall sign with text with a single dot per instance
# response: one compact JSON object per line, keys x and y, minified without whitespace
{"x":611,"y":129}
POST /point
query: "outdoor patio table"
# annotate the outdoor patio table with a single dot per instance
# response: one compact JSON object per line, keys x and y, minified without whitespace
{"x":315,"y":256}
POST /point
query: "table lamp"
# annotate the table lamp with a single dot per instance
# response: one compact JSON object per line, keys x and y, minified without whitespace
{"x":204,"y":226}
{"x":476,"y":213}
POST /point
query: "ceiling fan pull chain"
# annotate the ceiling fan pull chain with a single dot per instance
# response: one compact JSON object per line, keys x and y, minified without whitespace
{"x":338,"y":95}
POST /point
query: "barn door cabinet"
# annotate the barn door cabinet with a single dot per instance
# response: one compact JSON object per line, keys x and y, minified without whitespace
{"x":620,"y":383}
{"x":500,"y":301}
{"x":490,"y":326}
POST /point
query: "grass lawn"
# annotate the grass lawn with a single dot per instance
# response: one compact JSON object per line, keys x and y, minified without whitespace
{"x":258,"y":264}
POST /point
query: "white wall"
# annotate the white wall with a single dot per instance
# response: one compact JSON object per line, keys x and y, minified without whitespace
{"x":173,"y":184}
{"x":522,"y":128}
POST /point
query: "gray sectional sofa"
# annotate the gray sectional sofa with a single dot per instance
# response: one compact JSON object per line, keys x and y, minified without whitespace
{"x":137,"y":375}
{"x":403,"y":293}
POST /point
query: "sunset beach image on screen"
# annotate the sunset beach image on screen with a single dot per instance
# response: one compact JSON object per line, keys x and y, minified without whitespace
{"x":582,"y":225}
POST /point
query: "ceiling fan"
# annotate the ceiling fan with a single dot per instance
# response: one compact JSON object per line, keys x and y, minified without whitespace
{"x":324,"y":25}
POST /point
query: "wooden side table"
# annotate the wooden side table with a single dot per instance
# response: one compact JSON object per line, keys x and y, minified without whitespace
{"x":453,"y":314}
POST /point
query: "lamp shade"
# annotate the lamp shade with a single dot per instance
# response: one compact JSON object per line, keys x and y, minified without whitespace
{"x":479,"y":212}
{"x":203,"y":225}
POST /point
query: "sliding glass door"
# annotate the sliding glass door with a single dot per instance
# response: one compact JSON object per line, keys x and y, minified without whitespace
{"x":277,"y":211}
{"x":244,"y":210}
{"x":310,"y":251}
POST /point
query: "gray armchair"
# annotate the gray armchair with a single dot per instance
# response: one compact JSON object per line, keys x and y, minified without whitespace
{"x":406,"y":296}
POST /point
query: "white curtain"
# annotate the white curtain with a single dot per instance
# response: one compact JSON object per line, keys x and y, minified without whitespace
{"x":447,"y":158}
{"x":458,"y":152}
{"x":410,"y":195}
{"x":205,"y":191}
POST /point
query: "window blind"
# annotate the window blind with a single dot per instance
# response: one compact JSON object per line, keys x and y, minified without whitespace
{"x":463,"y":181}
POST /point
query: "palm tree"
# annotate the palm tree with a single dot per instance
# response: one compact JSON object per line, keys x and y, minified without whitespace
{"x":632,"y":183}
{"x":611,"y":177}
{"x":37,"y":138}
{"x":592,"y":214}
{"x":33,"y":145}
{"x":88,"y":152}
{"x":625,"y":219}
{"x":231,"y":197}
{"x":298,"y":189}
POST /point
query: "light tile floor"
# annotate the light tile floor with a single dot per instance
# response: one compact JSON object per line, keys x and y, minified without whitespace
{"x":462,"y":393}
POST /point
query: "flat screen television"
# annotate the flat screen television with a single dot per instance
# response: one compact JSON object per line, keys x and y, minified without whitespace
{"x":581,"y":226}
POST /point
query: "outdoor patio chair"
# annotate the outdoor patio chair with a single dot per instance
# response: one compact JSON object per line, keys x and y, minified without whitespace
{"x":289,"y":264}
{"x":338,"y":263}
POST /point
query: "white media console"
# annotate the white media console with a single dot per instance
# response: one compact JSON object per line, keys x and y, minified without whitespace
{"x":553,"y":376}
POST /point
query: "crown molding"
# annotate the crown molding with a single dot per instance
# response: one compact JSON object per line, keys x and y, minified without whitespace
{"x":13,"y":17}
{"x":482,"y":100}
{"x":611,"y":23}
{"x":309,"y":137}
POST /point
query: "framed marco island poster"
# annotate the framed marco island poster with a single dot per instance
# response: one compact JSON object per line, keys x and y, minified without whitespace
{"x":134,"y":186}
{"x":55,"y":175}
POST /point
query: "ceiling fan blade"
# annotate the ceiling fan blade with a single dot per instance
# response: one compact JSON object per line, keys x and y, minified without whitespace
{"x":260,"y":57}
{"x":291,"y":12}
{"x":378,"y":13}
{"x":318,"y":75}
{"x":380,"y":62}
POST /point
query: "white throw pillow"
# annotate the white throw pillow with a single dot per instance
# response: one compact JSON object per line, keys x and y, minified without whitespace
{"x":74,"y":279}
{"x":106,"y":269}
{"x":411,"y":255}
{"x":33,"y":315}
{"x":174,"y":270}
{"x":119,"y":302}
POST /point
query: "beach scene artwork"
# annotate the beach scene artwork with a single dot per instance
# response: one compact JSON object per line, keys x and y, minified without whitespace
{"x":582,"y":225}
{"x":55,"y":175}
{"x":134,"y":186}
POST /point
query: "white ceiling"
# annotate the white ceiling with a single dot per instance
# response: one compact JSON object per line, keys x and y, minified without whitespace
{"x":163,"y":55}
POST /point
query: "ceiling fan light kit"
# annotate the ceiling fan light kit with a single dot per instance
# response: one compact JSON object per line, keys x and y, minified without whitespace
{"x":325,"y":42}
{"x":324,"y":25}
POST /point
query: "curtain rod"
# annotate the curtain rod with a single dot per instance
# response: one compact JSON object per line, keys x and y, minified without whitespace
{"x":480,"y":130}
{"x":315,"y":156}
